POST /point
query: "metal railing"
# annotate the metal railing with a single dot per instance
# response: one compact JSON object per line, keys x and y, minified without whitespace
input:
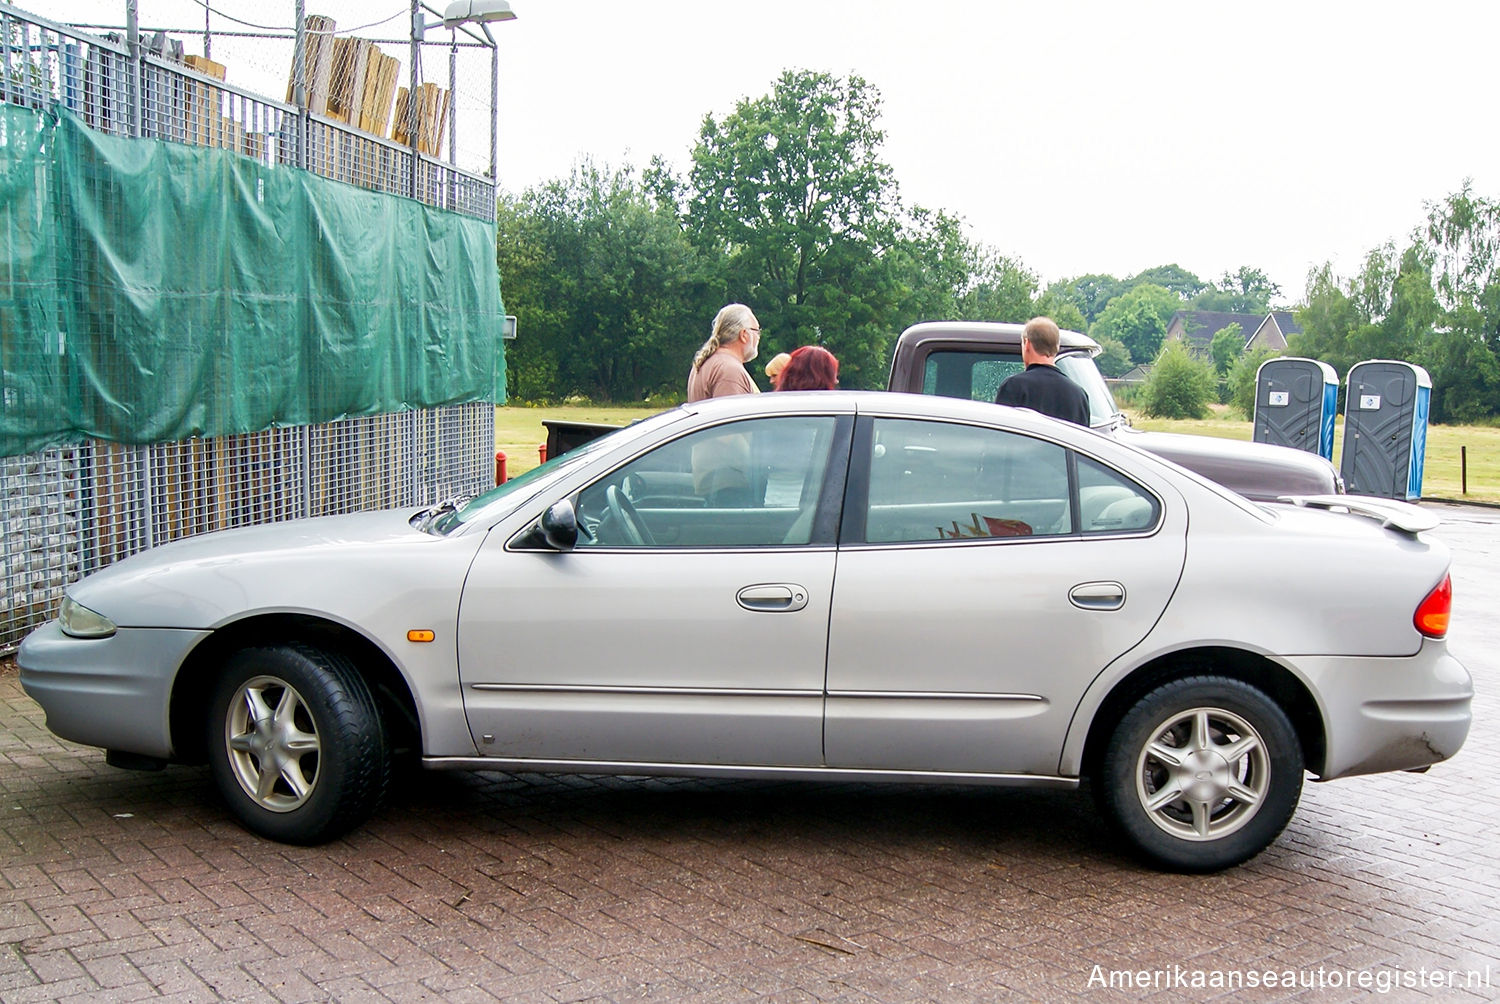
{"x":70,"y":510}
{"x":45,"y":64}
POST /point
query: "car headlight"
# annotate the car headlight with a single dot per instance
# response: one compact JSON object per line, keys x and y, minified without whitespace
{"x":78,"y":621}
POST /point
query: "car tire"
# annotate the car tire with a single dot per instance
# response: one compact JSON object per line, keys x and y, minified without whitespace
{"x":1238,"y":780}
{"x":296,"y":743}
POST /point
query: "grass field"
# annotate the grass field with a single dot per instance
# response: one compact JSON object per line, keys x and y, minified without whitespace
{"x":519,"y":431}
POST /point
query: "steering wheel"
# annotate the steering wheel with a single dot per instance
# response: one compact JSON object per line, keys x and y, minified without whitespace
{"x":630,"y":521}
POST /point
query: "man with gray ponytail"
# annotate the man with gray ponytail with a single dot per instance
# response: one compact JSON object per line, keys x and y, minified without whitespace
{"x":719,"y":367}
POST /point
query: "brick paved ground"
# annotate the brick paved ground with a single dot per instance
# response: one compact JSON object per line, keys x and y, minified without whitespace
{"x":124,"y":886}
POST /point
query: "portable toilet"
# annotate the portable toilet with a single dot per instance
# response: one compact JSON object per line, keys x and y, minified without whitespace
{"x":1296,"y":402}
{"x":1385,"y":429}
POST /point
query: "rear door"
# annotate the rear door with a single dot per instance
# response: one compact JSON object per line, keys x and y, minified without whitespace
{"x":985,"y":578}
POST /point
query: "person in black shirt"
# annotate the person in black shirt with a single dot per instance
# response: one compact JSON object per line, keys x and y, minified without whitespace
{"x":1041,"y":386}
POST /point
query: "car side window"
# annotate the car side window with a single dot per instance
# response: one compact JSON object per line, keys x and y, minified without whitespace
{"x":1109,"y":502}
{"x":754,"y":483}
{"x":933,"y":481}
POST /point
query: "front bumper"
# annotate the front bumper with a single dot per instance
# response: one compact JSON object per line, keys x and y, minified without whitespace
{"x":1390,"y":714}
{"x":111,"y":692}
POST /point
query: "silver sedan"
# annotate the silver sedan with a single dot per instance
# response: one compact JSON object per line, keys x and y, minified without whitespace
{"x":857,"y":586}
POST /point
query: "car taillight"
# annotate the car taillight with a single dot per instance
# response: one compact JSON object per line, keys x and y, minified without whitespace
{"x":1431,"y":617}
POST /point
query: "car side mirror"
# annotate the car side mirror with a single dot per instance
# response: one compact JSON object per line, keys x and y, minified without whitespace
{"x":560,"y":526}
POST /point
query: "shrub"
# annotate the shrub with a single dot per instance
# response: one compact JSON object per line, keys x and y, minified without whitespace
{"x":1180,"y":386}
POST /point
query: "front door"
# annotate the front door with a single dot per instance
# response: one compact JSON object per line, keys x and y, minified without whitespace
{"x":689,"y":625}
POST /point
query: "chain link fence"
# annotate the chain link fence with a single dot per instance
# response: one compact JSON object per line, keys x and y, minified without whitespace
{"x":71,"y":509}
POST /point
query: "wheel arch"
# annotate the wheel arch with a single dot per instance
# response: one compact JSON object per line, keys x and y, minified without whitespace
{"x":193,"y":687}
{"x":1275,"y":680}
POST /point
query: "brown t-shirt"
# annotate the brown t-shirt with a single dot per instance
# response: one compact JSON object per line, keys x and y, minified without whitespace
{"x":721,"y":375}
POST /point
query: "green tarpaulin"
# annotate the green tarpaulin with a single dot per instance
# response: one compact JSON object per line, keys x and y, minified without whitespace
{"x":153,"y":291}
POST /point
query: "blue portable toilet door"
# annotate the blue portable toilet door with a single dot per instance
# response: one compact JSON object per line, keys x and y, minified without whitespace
{"x":1386,"y":402}
{"x":1295,"y":405}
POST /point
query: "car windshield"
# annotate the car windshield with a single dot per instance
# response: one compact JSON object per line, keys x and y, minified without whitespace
{"x":520,"y":485}
{"x":1080,"y":368}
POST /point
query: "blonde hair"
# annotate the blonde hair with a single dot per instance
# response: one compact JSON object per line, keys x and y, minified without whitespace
{"x":729,"y":322}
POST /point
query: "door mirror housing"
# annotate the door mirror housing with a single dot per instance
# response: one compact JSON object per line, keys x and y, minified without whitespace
{"x":559,"y":525}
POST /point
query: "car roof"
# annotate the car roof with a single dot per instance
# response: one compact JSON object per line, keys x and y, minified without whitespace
{"x":880,"y":402}
{"x":988,"y":334}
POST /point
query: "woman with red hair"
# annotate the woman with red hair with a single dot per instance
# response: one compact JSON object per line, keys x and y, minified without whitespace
{"x":811,"y":367}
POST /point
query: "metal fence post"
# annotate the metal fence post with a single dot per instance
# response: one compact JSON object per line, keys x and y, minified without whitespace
{"x":307,"y":471}
{"x":411,"y":97}
{"x":137,"y":67}
{"x":299,"y":87}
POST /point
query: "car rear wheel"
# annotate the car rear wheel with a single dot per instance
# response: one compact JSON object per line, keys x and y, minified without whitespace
{"x":1202,"y":774}
{"x":296,"y":743}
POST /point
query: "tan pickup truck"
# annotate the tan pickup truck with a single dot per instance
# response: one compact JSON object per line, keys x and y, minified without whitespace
{"x":969,"y":359}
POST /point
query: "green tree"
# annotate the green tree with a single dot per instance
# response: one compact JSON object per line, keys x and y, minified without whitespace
{"x":1090,"y":294}
{"x":1138,"y":319}
{"x":1242,"y":379}
{"x":609,"y":294}
{"x":931,"y":262}
{"x":790,"y":191}
{"x":1461,"y":241}
{"x":1113,"y":359}
{"x":1066,"y":314}
{"x":1180,"y":385}
{"x":1228,"y":345}
{"x":1244,"y":291}
{"x":1000,"y":289}
{"x":1437,"y":303}
{"x":1327,"y":319}
{"x":1173,"y":277}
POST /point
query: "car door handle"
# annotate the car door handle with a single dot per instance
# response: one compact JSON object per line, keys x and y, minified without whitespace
{"x":1098,"y":595}
{"x":772,"y":597}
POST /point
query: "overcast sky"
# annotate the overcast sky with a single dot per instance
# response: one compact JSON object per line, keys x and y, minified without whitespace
{"x":1078,"y":137}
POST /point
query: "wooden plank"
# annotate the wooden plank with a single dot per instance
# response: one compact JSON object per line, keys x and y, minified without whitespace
{"x":389,"y":78}
{"x":442,"y":123}
{"x":380,"y":89}
{"x":363,"y":51}
{"x":399,"y":127}
{"x":430,"y":118}
{"x":203,"y":121}
{"x":346,"y":88}
{"x":232,"y":135}
{"x":317,"y":64}
{"x":255,"y":145}
{"x":338,"y":80}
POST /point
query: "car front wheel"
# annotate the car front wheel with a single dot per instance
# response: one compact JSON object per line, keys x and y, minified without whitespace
{"x":296,"y":743}
{"x":1201,"y":774}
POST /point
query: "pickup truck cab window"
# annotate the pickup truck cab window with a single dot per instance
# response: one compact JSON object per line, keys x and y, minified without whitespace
{"x":977,"y":376}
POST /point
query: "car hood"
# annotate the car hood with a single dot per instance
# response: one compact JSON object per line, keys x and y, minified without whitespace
{"x":1256,"y":470}
{"x":303,"y":565}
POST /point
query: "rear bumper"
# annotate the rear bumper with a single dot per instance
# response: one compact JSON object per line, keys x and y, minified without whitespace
{"x":111,"y":692}
{"x":1391,"y":714}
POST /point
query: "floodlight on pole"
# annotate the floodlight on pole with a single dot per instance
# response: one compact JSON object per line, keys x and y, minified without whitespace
{"x":477,"y":12}
{"x":457,"y":15}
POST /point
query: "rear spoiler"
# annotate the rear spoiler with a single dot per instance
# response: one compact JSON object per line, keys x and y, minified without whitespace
{"x":1402,"y":516}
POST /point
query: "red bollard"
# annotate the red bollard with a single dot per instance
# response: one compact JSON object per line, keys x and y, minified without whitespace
{"x":500,"y":475}
{"x":541,"y":451}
